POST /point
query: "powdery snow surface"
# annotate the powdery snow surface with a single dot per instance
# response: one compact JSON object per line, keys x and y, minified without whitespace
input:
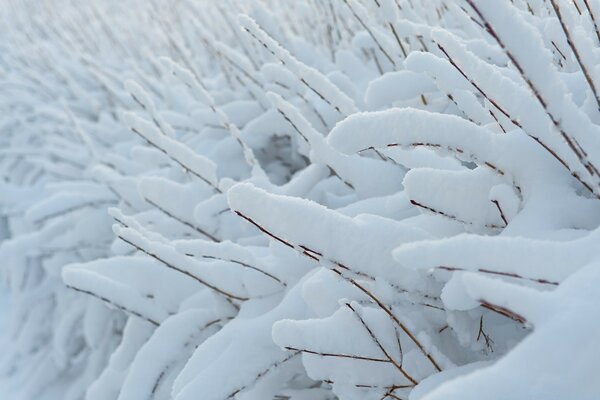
{"x":307,"y":200}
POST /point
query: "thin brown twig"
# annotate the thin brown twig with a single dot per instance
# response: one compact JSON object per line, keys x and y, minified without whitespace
{"x":503,"y":311}
{"x":395,"y":319}
{"x":339,"y":266}
{"x":380,"y":346}
{"x":370,"y":32}
{"x":186,"y":223}
{"x":120,"y":307}
{"x":245,"y":265}
{"x":556,"y":122}
{"x":502,"y":216}
{"x":575,"y":51}
{"x":339,"y":355}
{"x":185,"y":167}
{"x":500,"y":273}
{"x":261,"y":374}
{"x":184,"y":272}
{"x":593,"y":18}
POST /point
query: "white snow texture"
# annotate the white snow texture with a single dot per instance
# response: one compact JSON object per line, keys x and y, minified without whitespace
{"x":299,"y":200}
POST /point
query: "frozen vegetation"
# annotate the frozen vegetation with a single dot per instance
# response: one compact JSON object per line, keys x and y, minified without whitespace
{"x":300,"y":200}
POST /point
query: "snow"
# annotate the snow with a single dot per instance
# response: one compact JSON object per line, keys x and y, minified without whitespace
{"x":366,"y":176}
{"x":198,"y":165}
{"x":353,"y":200}
{"x":397,"y":86}
{"x":312,"y":78}
{"x":548,"y":374}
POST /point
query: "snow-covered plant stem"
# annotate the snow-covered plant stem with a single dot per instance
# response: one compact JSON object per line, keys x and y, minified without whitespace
{"x":319,"y":199}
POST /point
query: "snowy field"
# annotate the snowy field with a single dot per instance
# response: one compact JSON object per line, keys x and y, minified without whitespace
{"x":300,"y":200}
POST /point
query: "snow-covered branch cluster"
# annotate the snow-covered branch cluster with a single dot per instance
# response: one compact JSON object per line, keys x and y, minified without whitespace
{"x":320,"y":199}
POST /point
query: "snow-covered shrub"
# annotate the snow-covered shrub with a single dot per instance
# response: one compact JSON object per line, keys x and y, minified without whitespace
{"x":309,"y":200}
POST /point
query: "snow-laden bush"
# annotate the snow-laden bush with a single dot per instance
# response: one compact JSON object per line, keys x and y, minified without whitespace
{"x":309,"y":200}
